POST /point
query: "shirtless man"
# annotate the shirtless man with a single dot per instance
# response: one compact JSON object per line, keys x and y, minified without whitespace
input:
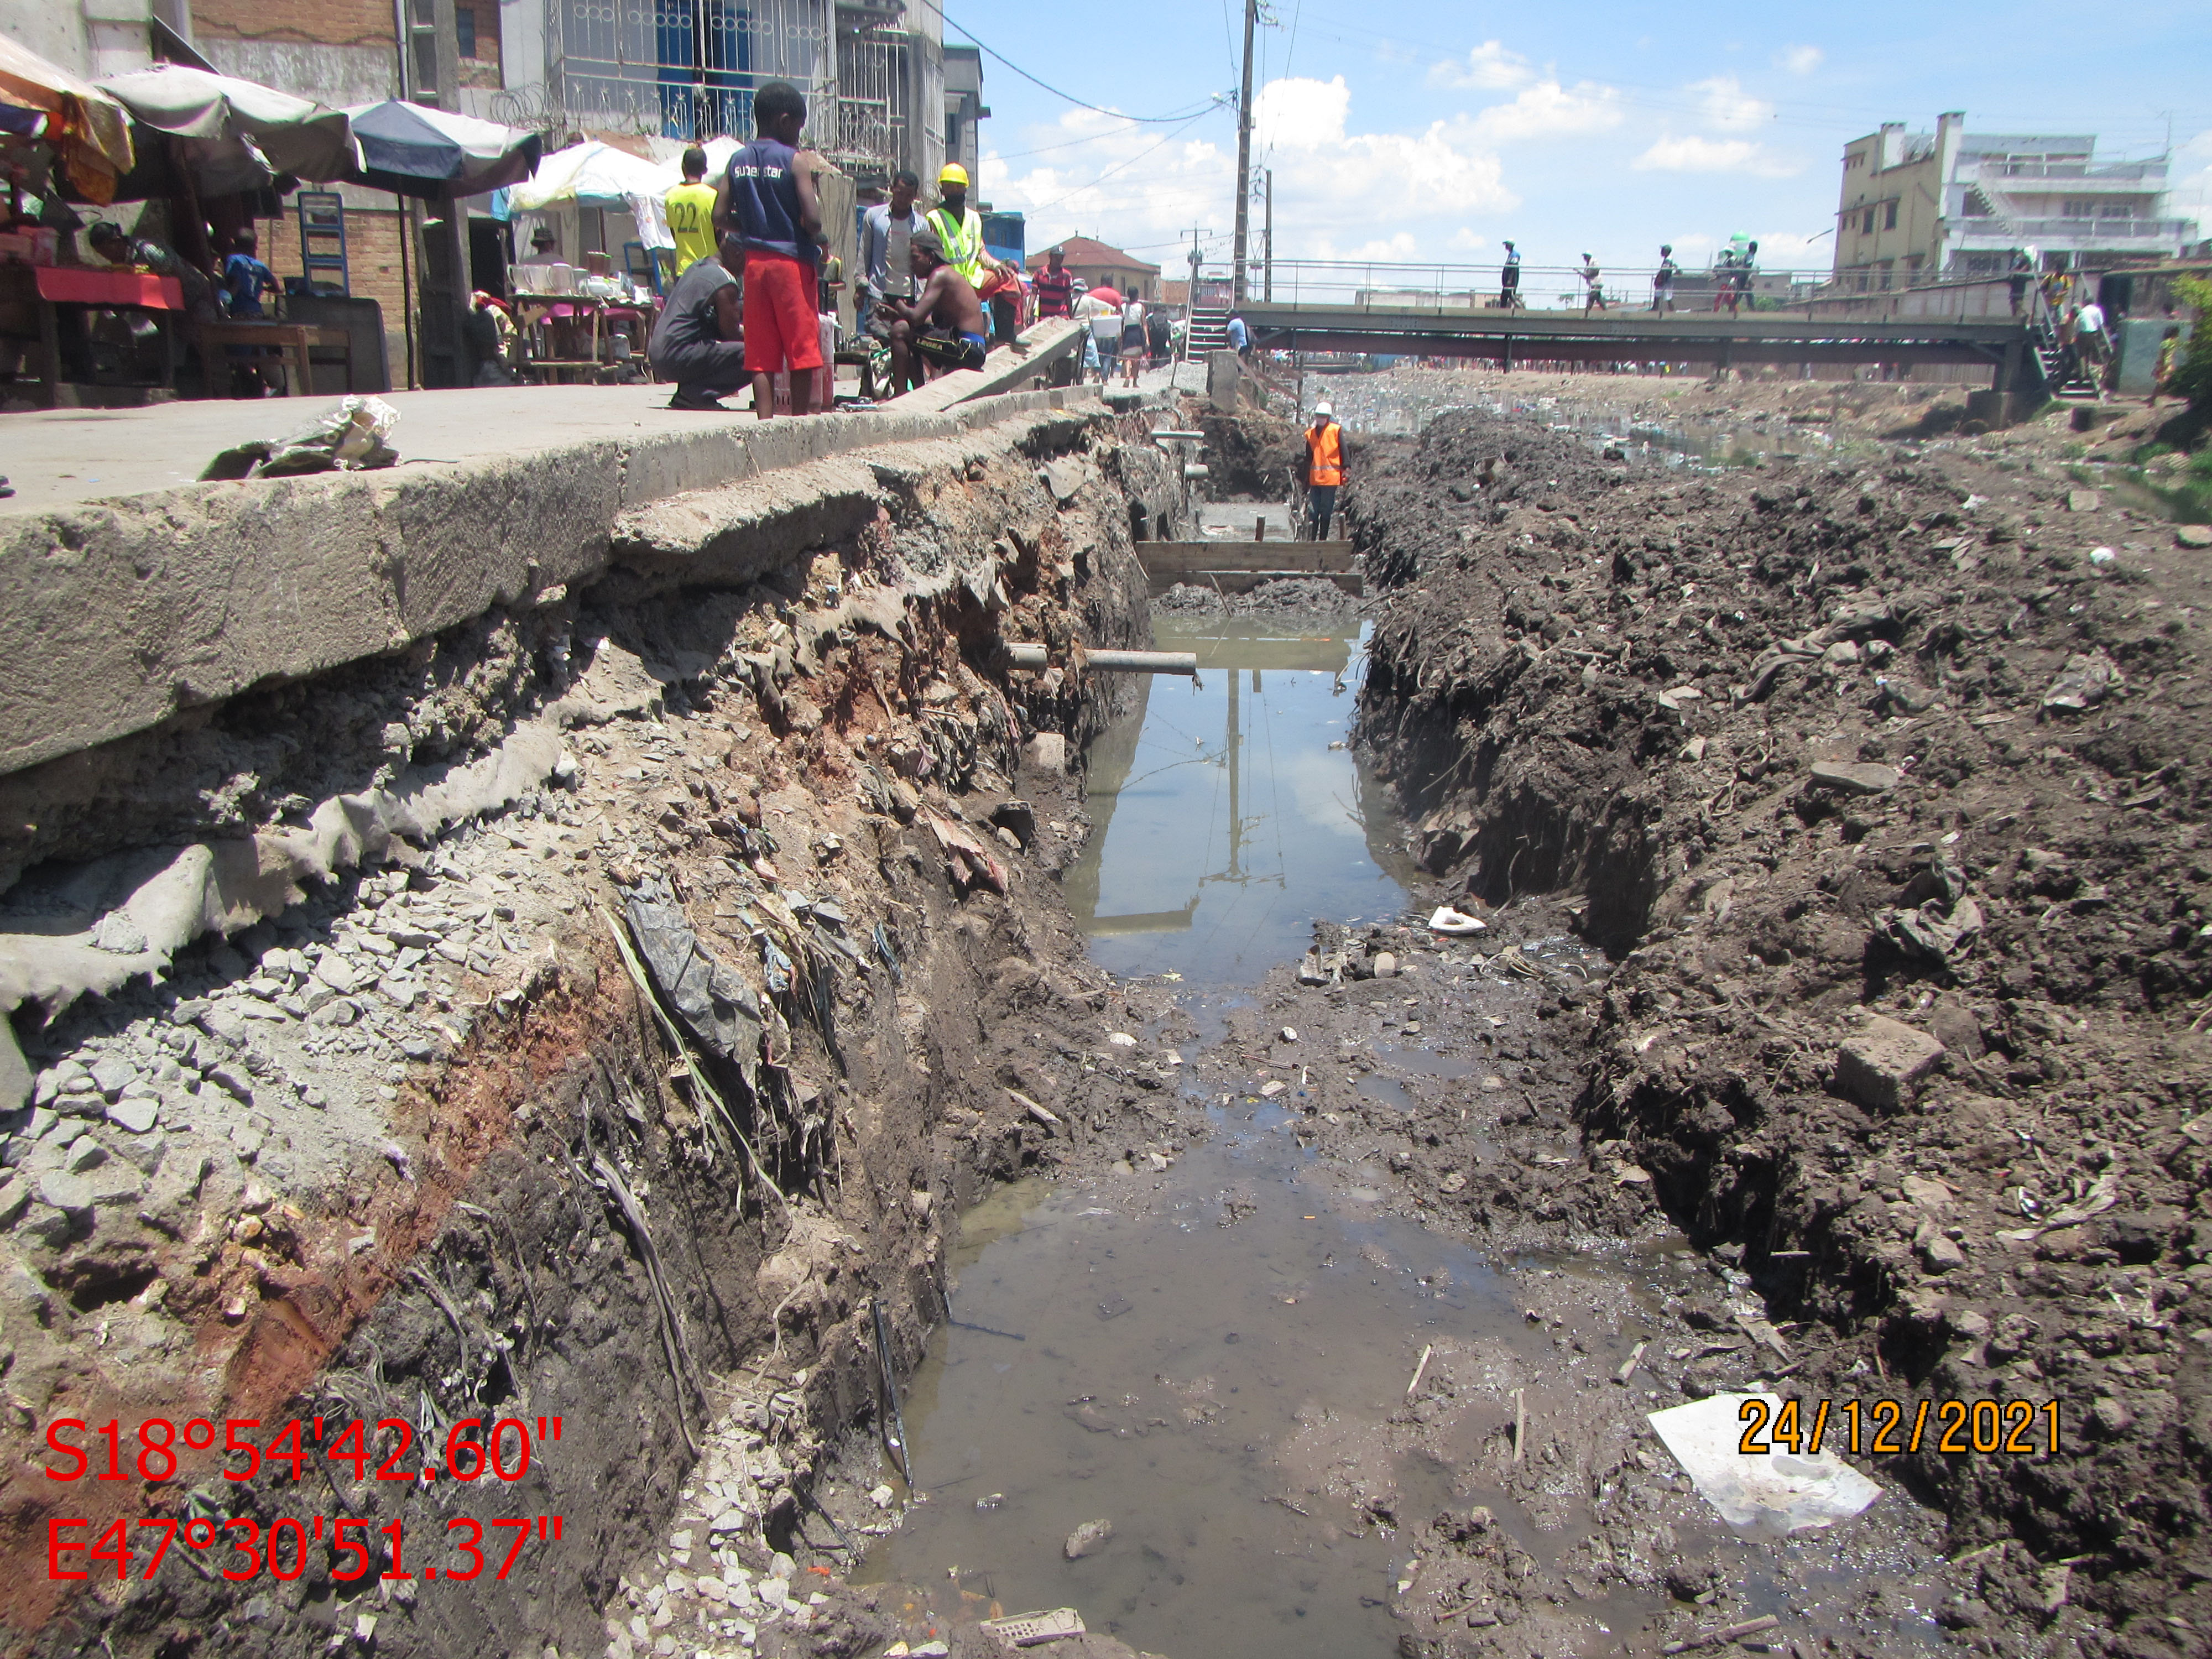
{"x":942,"y":325}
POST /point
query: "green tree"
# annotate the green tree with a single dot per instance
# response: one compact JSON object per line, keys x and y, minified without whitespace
{"x":2192,"y":374}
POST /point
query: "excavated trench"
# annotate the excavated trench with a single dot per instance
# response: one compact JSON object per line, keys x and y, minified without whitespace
{"x":570,"y":1029}
{"x":896,"y":1112}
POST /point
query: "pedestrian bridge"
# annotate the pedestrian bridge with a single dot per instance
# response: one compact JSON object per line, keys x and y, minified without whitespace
{"x":1508,"y":337}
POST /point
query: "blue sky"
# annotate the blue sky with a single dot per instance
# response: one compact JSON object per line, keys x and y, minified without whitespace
{"x":1430,"y":132}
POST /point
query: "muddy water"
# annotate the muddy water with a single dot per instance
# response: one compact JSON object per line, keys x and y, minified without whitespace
{"x":1183,"y":1359}
{"x":1228,"y":813}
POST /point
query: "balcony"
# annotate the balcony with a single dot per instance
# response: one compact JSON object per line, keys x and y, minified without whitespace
{"x":2118,"y":235}
{"x":2089,"y":176}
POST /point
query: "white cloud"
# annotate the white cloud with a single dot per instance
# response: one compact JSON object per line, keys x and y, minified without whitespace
{"x":1489,"y":66}
{"x":1728,"y":106}
{"x":1465,"y":240}
{"x":2192,"y":181}
{"x":1339,"y":191}
{"x":1694,"y":154}
{"x":1799,"y":60}
{"x":1548,"y":110}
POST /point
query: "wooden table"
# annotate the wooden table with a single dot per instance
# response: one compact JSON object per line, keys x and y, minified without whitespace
{"x":289,"y":341}
{"x":29,"y":294}
{"x":538,"y":309}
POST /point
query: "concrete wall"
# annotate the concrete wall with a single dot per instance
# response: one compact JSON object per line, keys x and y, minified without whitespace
{"x":117,"y":615}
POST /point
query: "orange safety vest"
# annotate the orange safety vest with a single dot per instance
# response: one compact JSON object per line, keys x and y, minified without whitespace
{"x":1325,"y":455}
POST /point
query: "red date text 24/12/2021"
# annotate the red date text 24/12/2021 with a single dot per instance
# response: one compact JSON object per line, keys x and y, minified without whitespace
{"x":1887,"y":1429}
{"x":474,"y":1446}
{"x":245,"y":1551}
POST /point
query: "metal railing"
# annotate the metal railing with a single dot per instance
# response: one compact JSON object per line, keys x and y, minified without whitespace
{"x":1389,"y":285}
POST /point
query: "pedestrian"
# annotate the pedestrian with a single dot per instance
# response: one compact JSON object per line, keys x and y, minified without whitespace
{"x":1509,"y":280}
{"x":1054,"y":286}
{"x":942,"y":325}
{"x":244,"y":280}
{"x":1104,"y":321}
{"x":1740,"y":290}
{"x":698,"y":339}
{"x":1240,"y":335}
{"x":2169,"y":359}
{"x":1324,"y":469}
{"x":1156,"y":334}
{"x":959,"y":228}
{"x":886,"y":231}
{"x":1662,"y":280}
{"x":492,"y":335}
{"x":1593,"y":289}
{"x":1132,"y":338}
{"x":2017,"y":279}
{"x":2093,"y":346}
{"x":111,"y":243}
{"x":690,"y":210}
{"x":767,"y":199}
{"x":1724,"y":274}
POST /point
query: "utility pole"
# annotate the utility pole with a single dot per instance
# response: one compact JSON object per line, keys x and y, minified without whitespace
{"x":1243,"y":159}
{"x":1267,"y":244}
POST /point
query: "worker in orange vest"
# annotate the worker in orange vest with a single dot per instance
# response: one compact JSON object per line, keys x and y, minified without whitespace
{"x":1324,"y":469}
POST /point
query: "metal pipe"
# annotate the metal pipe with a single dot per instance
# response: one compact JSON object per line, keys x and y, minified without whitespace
{"x":1119,"y":662}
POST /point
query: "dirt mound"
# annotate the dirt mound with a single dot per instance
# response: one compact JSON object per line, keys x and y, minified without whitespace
{"x":1249,"y":454}
{"x":1884,"y":781}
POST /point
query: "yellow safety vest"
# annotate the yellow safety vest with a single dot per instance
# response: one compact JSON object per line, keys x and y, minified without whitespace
{"x":963,"y":240}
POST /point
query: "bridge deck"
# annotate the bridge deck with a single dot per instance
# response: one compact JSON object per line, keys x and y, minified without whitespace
{"x":1640,"y":336}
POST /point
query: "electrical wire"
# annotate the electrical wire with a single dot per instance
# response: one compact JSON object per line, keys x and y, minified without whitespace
{"x":1047,"y":207}
{"x":1149,"y":120}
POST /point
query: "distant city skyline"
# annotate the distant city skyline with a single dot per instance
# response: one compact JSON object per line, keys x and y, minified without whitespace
{"x":1433,"y":132}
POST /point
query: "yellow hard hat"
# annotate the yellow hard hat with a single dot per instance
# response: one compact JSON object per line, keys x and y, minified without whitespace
{"x":953,"y":173}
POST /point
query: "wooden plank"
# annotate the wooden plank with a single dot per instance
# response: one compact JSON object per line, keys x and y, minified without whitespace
{"x":1230,"y":553}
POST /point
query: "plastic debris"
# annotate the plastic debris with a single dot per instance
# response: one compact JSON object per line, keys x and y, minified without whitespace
{"x":1445,"y":919}
{"x":2086,"y":681}
{"x":350,"y":436}
{"x":1780,"y":1491}
{"x":1029,"y":1629}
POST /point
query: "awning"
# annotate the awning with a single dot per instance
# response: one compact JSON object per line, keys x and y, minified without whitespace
{"x":237,"y":135}
{"x":88,"y":129}
{"x":593,"y":175}
{"x":413,"y":150}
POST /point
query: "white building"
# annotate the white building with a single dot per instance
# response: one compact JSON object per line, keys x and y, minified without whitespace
{"x":1919,"y":207}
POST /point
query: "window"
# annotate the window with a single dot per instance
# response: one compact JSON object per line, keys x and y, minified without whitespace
{"x":1867,"y":226}
{"x":2078,"y":207}
{"x":951,"y":137}
{"x":1889,"y":217}
{"x":2116,"y":211}
{"x":465,"y":25}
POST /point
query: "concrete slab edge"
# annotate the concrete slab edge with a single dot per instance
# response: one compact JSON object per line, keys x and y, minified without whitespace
{"x":117,"y":615}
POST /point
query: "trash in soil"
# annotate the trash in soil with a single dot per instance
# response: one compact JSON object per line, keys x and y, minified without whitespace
{"x":1028,"y":1630}
{"x":1779,"y":1489}
{"x":2086,"y":681}
{"x":1087,"y":1539}
{"x":1448,"y":920}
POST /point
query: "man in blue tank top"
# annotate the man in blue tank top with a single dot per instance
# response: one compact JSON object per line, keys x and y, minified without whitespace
{"x":768,"y":203}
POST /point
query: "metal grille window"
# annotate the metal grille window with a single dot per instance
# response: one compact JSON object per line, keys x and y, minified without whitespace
{"x":687,"y":68}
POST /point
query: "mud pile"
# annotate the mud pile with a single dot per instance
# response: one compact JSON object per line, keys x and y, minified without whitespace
{"x":1884,"y":782}
{"x":608,"y":1100}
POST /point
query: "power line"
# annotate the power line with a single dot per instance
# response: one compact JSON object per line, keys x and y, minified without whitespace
{"x":1121,"y":166}
{"x":1156,"y":120}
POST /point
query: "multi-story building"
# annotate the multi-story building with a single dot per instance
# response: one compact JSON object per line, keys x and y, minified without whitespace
{"x":874,"y":70}
{"x":1920,"y":206}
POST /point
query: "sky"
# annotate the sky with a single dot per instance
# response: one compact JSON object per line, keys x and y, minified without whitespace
{"x":1430,"y":132}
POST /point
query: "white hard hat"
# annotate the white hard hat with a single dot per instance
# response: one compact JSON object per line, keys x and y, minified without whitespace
{"x":1322,"y":408}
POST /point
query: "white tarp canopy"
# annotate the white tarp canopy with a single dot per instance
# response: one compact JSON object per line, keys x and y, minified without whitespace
{"x":593,"y":175}
{"x":237,"y":135}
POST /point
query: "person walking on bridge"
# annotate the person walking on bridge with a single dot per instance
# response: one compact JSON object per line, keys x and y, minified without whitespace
{"x":1509,"y":280}
{"x":1594,"y":289}
{"x":1662,"y":280}
{"x":1324,"y":469}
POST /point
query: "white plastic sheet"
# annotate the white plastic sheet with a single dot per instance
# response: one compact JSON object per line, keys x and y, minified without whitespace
{"x":1780,"y":1491}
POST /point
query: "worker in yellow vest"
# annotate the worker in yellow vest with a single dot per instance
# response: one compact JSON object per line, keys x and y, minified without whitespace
{"x":959,"y":228}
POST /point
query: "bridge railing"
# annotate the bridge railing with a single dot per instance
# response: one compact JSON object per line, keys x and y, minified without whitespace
{"x":1397,"y":285}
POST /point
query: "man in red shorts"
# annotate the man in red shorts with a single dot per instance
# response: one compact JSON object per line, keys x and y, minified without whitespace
{"x":768,"y":203}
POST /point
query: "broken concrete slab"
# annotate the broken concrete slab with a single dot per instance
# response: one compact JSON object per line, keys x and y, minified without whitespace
{"x":1856,"y":777}
{"x":1879,"y":1064}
